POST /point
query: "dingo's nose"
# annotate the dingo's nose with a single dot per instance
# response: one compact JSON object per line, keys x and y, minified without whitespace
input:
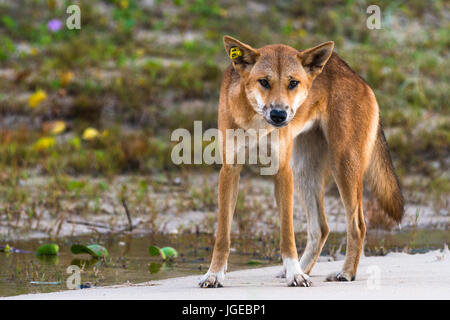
{"x":278,"y":116}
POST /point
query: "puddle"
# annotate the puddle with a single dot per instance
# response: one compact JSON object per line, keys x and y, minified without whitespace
{"x":129,"y":261}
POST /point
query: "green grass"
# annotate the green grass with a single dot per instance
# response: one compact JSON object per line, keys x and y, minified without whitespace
{"x":136,"y":68}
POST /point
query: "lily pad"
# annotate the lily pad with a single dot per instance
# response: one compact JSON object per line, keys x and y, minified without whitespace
{"x":95,"y":250}
{"x":154,"y":267}
{"x":50,"y":249}
{"x":155,"y":251}
{"x":5,"y":249}
{"x":165,"y":253}
{"x":170,"y":252}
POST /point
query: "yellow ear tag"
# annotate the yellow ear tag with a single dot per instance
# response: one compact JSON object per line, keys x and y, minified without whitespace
{"x":235,"y":52}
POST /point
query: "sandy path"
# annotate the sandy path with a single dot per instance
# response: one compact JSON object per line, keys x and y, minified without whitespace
{"x":401,"y":276}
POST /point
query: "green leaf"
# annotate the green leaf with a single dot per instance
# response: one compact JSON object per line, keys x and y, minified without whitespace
{"x":5,"y":249}
{"x":85,"y":262}
{"x":154,"y":251}
{"x":48,"y":249}
{"x":95,"y":250}
{"x":75,"y":143}
{"x":170,"y":252}
{"x":165,"y":253}
{"x":75,"y":185}
{"x":9,"y":23}
{"x":154,"y":267}
{"x":254,"y":262}
{"x":49,"y":259}
{"x":103,"y":186}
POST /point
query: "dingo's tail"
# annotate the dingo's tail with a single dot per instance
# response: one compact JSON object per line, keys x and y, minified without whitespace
{"x":382,"y":179}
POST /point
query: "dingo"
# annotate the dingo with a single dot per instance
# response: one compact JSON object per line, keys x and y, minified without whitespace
{"x":327,"y":118}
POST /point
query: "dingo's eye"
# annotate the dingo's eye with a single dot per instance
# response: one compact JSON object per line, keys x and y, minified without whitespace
{"x":264,"y":83}
{"x":293,"y":84}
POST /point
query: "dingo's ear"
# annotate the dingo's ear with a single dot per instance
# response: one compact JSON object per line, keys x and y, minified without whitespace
{"x":242,"y":55}
{"x":314,"y":59}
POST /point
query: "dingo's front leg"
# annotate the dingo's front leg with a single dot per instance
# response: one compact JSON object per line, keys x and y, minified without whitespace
{"x":284,"y":189}
{"x":228,"y":191}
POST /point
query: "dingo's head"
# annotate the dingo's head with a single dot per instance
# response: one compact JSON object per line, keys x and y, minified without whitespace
{"x":277,"y":77}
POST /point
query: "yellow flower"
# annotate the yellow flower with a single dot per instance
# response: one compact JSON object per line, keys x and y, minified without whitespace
{"x":44,"y":143}
{"x":90,"y":134}
{"x":33,"y":51}
{"x":66,"y":78}
{"x":36,"y":98}
{"x":140,"y":52}
{"x":141,"y":80}
{"x":57,"y":127}
{"x":223,"y":12}
{"x":302,"y":33}
{"x":123,"y":4}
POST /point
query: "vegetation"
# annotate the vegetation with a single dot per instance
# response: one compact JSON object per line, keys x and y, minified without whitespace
{"x":102,"y":101}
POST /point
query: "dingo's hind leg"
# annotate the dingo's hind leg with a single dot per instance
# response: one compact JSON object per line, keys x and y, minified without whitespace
{"x":310,"y":162}
{"x":350,"y":183}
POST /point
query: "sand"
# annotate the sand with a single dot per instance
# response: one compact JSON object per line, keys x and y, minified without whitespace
{"x":394,"y":276}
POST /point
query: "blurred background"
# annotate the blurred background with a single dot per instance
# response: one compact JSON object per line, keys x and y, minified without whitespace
{"x":86,"y":115}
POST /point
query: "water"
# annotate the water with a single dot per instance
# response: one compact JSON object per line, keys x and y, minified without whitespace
{"x":129,"y":261}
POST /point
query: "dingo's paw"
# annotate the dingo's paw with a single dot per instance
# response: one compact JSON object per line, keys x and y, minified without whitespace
{"x":212,"y":280}
{"x":299,"y":280}
{"x":281,"y":273}
{"x":295,"y":277}
{"x":340,"y":276}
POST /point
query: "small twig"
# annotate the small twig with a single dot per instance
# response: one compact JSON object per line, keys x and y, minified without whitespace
{"x":88,"y":224}
{"x":127,"y":228}
{"x":130,"y":224}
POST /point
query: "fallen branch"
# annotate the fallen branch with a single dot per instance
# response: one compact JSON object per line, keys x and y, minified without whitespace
{"x":89,"y":224}
{"x":130,"y":223}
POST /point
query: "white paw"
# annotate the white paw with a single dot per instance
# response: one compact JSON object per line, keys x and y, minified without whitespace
{"x":299,"y":280}
{"x":340,"y":276}
{"x":295,"y":277}
{"x":212,"y":279}
{"x":281,"y":273}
